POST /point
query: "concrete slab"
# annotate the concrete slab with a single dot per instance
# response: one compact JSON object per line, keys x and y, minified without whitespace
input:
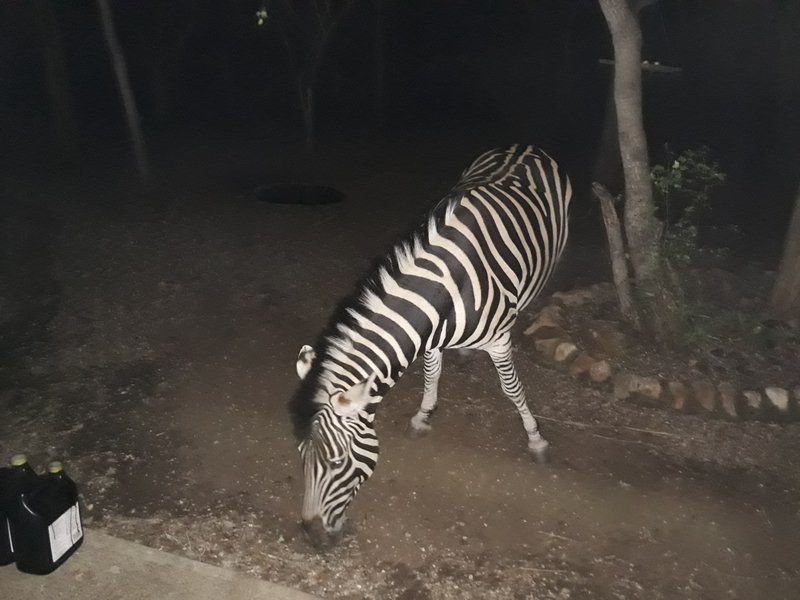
{"x":108,"y":568}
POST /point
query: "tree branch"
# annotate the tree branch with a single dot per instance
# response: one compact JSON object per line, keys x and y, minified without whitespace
{"x":785,"y":299}
{"x":616,"y":251}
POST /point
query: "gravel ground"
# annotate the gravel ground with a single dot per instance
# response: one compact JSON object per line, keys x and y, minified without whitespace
{"x":149,"y":340}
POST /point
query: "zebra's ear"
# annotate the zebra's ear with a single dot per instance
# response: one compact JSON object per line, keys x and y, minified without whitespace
{"x":305,"y":360}
{"x":355,"y":399}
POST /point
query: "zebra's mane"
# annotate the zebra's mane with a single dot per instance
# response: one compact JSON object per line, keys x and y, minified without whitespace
{"x":304,"y":404}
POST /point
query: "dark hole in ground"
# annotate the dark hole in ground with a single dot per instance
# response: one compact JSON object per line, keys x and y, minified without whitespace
{"x":298,"y":193}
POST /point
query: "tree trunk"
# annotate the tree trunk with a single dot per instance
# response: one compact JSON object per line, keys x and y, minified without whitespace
{"x":380,"y":62}
{"x":125,"y":90}
{"x":616,"y":250}
{"x":170,"y":35}
{"x":307,"y":54}
{"x":785,"y":300}
{"x":657,"y":295}
{"x":306,"y":93}
{"x":56,"y":80}
{"x":607,"y":168}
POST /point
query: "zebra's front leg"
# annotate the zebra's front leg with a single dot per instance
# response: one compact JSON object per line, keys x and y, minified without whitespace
{"x":500,"y":353}
{"x":432,"y":366}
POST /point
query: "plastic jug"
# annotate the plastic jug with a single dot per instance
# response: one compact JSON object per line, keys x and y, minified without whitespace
{"x":45,"y":522}
{"x":13,"y":480}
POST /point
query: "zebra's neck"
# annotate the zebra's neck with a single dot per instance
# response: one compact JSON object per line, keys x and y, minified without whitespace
{"x":484,"y":251}
{"x":385,"y":330}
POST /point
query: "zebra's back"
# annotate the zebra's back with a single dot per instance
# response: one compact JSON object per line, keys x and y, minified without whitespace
{"x":500,"y":233}
{"x":483,"y":253}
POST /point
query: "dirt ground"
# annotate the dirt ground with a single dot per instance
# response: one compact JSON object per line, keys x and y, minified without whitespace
{"x":148,"y":339}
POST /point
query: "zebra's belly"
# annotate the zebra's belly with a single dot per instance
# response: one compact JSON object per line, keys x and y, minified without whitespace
{"x":485,"y":327}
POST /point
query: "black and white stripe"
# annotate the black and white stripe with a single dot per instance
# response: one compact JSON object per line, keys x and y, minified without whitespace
{"x":484,"y":252}
{"x":344,"y":450}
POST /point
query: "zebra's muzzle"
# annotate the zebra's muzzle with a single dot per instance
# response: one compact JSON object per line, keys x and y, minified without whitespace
{"x":319,"y":537}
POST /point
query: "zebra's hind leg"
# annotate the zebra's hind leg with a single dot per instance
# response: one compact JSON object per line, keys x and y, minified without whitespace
{"x":500,"y":352}
{"x":432,"y":366}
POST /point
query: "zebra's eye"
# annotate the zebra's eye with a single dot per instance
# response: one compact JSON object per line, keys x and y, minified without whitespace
{"x":336,"y":463}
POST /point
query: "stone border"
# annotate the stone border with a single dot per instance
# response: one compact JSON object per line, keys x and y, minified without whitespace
{"x":555,"y":347}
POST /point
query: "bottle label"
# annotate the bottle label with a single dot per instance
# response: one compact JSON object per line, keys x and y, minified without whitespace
{"x":65,"y":532}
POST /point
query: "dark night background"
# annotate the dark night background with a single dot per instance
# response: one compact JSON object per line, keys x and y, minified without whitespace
{"x":476,"y":73}
{"x":149,"y":330}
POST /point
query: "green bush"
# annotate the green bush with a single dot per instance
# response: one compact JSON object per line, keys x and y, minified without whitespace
{"x":682,"y":193}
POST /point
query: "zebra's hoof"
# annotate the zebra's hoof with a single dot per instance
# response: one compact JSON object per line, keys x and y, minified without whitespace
{"x":415,"y":431}
{"x":540,"y":453}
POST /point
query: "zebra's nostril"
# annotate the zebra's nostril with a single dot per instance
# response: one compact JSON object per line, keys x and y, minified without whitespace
{"x":316,"y":533}
{"x":310,"y":525}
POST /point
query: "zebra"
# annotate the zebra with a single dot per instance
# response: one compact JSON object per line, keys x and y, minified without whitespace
{"x":459,"y":281}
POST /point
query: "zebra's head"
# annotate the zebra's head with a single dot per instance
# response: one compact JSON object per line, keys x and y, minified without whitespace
{"x":339,"y":454}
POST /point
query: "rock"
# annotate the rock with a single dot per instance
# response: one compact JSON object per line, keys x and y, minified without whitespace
{"x":574,"y":298}
{"x":600,"y":371}
{"x":565,"y":351}
{"x":553,"y":312}
{"x":779,"y":397}
{"x":753,"y":400}
{"x":622,"y":385}
{"x":544,"y":319}
{"x":648,"y":388}
{"x":642,"y":388}
{"x":680,"y":395}
{"x":543,"y":331}
{"x":544,"y":328}
{"x":705,"y":393}
{"x":603,"y":339}
{"x":581,"y":365}
{"x":547,"y":348}
{"x":727,"y":397}
{"x":603,"y":292}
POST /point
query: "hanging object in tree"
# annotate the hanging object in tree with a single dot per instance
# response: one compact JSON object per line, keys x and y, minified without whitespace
{"x":261,"y":15}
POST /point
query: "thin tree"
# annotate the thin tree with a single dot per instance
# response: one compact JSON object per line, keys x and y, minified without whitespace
{"x":307,"y":30}
{"x":55,"y":70}
{"x":785,"y":299}
{"x":379,"y":100}
{"x":656,"y":291}
{"x":125,"y":90}
{"x":172,"y":25}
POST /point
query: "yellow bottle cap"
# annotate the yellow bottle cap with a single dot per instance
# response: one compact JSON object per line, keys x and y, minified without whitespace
{"x":55,"y":467}
{"x":18,"y":460}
